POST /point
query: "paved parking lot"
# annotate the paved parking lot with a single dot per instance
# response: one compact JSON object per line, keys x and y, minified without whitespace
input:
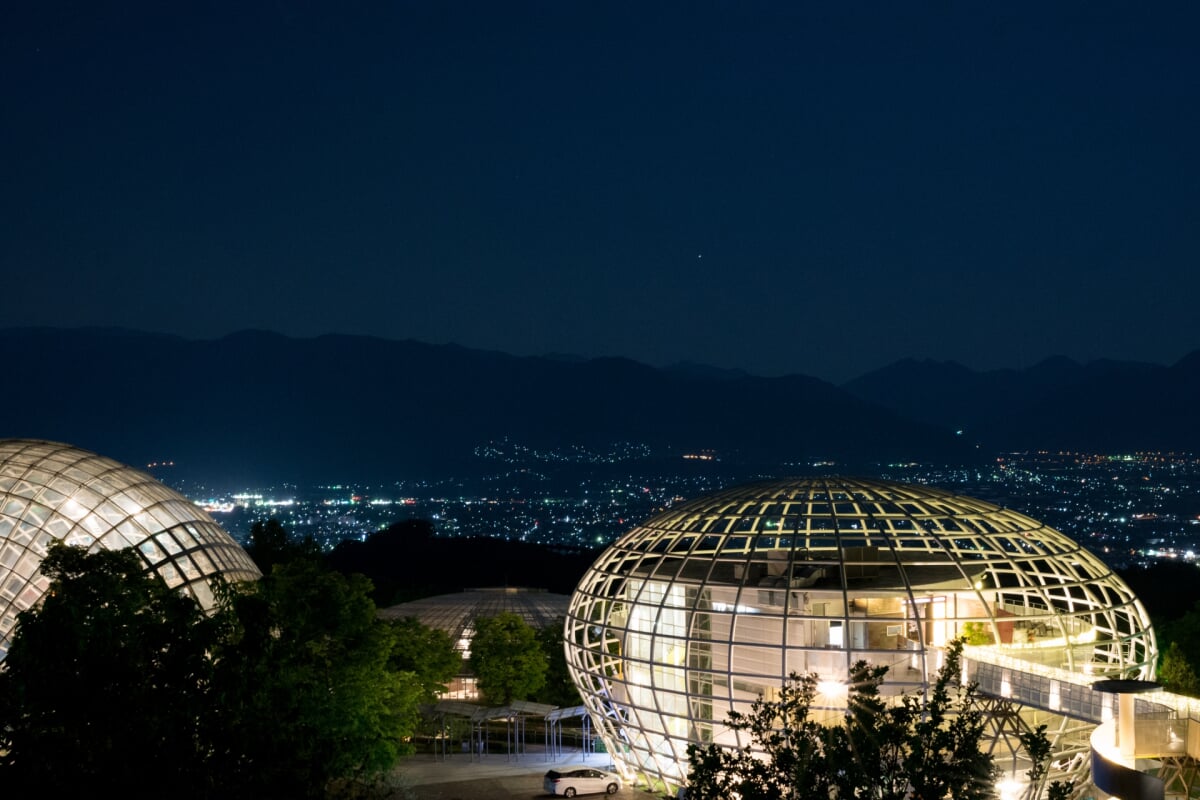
{"x":494,"y":777}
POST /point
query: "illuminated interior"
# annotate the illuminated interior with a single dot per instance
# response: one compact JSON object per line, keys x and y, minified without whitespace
{"x":710,"y":605}
{"x":54,"y":492}
{"x":456,"y":614}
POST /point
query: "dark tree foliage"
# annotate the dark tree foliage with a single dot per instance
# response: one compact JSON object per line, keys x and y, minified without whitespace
{"x":1179,"y":649}
{"x":118,"y":682}
{"x":105,"y":684}
{"x":1037,"y":747}
{"x":1176,"y":671}
{"x":1171,"y":594}
{"x":396,"y":560}
{"x":406,"y":561}
{"x":559,"y":689}
{"x":507,"y":659}
{"x":1168,"y":589}
{"x":308,"y":703}
{"x":270,"y":544}
{"x":943,"y":757}
{"x":427,"y":653}
{"x":918,"y":747}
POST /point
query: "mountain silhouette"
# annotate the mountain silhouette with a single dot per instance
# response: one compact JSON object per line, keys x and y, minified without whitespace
{"x":1101,"y":406}
{"x":259,"y":406}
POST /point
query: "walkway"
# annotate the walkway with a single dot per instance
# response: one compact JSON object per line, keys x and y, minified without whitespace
{"x":1162,"y":746}
{"x":494,"y":777}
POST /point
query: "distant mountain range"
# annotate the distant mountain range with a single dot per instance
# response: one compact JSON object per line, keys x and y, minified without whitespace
{"x":262,"y":407}
{"x":1101,"y":406}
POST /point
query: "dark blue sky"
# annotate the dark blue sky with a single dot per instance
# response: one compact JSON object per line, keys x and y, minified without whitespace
{"x":780,"y":187}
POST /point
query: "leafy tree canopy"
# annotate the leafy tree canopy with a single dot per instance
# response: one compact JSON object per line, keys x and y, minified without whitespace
{"x":105,"y":682}
{"x":270,"y":544}
{"x":117,"y":681}
{"x":303,"y":678}
{"x":559,"y":689}
{"x":1179,"y":648}
{"x":508,"y":662}
{"x":397,"y":561}
{"x":427,"y":653}
{"x":1176,"y":671}
{"x":919,"y":748}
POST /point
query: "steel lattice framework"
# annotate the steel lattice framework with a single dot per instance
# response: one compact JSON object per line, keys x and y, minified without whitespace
{"x":456,"y":613}
{"x":53,"y":492}
{"x":710,"y":605}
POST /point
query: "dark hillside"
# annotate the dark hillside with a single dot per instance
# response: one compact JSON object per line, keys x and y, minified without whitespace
{"x":407,"y":562}
{"x":257,"y":406}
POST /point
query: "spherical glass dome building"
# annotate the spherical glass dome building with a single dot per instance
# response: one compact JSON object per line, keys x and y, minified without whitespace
{"x":709,"y":606}
{"x":53,"y":492}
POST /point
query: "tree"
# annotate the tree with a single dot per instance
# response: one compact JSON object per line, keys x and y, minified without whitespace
{"x":302,"y":675}
{"x":269,"y":544}
{"x":919,"y":747}
{"x":1176,"y":672}
{"x":117,"y":681}
{"x":506,"y":658}
{"x":943,"y":757}
{"x":427,"y":653}
{"x":105,"y":683}
{"x":1037,"y":746}
{"x":559,"y":689}
{"x":977,"y":633}
{"x":1179,"y":645}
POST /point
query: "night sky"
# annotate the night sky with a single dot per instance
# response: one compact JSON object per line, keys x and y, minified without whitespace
{"x":780,"y":187}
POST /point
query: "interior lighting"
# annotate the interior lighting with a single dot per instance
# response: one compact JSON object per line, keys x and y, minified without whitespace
{"x":1009,"y":788}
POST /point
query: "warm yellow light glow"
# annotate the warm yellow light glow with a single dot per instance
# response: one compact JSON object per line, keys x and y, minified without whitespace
{"x":1009,"y":788}
{"x":712,"y":603}
{"x":84,"y":499}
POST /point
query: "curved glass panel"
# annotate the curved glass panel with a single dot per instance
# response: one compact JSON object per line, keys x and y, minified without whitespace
{"x":667,"y":632}
{"x":54,"y":492}
{"x":456,"y":614}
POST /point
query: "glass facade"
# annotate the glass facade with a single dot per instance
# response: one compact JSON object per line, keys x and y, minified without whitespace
{"x":710,"y":605}
{"x":456,"y":614}
{"x":53,"y":492}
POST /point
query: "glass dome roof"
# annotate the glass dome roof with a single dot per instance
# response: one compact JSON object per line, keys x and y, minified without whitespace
{"x":456,"y":613}
{"x":54,"y":492}
{"x":713,"y":603}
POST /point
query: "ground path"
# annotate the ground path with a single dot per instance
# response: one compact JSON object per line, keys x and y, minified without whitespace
{"x":495,"y":777}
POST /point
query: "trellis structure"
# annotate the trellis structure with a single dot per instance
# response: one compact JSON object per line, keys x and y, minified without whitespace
{"x":709,"y":606}
{"x":52,"y":492}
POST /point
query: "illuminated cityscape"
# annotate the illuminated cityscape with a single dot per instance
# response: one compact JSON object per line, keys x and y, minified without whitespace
{"x":1128,"y":509}
{"x":490,"y":297}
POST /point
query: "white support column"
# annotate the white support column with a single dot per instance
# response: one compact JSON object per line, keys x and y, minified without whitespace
{"x":1126,"y":736}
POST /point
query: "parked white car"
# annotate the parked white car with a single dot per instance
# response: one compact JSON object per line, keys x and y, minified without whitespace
{"x":581,"y":780}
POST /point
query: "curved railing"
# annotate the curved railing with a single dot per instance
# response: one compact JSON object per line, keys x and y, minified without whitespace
{"x":1125,"y":782}
{"x":1129,"y":771}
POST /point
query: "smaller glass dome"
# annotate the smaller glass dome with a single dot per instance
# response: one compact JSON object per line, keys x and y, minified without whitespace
{"x":456,"y":614}
{"x":53,"y":492}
